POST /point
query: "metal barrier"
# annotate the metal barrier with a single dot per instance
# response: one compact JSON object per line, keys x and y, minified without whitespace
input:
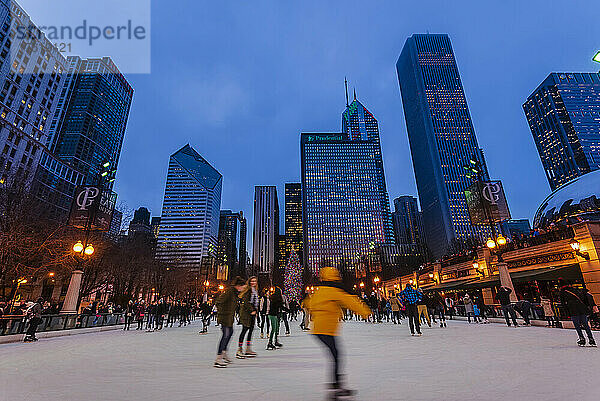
{"x":18,"y":324}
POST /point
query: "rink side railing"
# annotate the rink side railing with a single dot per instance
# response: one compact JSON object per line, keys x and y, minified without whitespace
{"x":18,"y":324}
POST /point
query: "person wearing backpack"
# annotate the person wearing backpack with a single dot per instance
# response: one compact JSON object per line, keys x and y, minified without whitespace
{"x":578,"y":306}
{"x":34,"y":314}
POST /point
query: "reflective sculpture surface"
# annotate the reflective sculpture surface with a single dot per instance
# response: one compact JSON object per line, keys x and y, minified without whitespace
{"x":576,"y":201}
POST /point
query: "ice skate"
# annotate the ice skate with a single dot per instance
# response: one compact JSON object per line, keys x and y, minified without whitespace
{"x":278,"y":344}
{"x":270,"y":347}
{"x":249,"y":353}
{"x":240,"y":354}
{"x":581,"y":342}
{"x":226,"y":358}
{"x":338,"y":392}
{"x":592,"y":342}
{"x":219,"y":362}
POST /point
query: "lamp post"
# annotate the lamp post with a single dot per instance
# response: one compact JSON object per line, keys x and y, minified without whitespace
{"x":81,"y":250}
{"x":575,"y":246}
{"x":495,"y":247}
{"x":19,"y":282}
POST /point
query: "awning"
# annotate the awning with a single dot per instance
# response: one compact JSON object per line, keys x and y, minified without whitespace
{"x":569,"y":272}
{"x":449,"y":285}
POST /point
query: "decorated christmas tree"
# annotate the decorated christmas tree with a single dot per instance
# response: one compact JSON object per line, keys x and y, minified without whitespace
{"x":292,"y":279}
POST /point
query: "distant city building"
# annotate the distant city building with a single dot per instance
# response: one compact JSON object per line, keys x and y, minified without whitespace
{"x":189,"y":224}
{"x":293,"y":219}
{"x":516,"y":226}
{"x":140,"y":224}
{"x":243,"y":250}
{"x":442,"y":138}
{"x":94,"y":108}
{"x":266,"y":228}
{"x":408,"y":221}
{"x":282,"y":255}
{"x":229,"y":253}
{"x":29,"y":98}
{"x":155,"y":225}
{"x":341,"y":206}
{"x":360,"y":125}
{"x":564,"y":118}
{"x":114,"y":232}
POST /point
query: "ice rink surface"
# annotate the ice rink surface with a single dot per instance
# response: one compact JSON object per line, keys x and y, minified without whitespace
{"x":382,"y":361}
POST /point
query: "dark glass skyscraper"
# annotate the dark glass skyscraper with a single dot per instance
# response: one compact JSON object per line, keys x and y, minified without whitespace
{"x":94,"y":111}
{"x":441,"y":136}
{"x":564,"y":117}
{"x":293,"y":218}
{"x":266,"y":229}
{"x":230,"y":239}
{"x":408,"y":221}
{"x":342,"y":213}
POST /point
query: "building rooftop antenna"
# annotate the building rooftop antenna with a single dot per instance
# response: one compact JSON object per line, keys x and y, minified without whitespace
{"x":346,"y":85}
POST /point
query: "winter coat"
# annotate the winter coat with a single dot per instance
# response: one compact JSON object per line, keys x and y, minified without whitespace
{"x":468,"y":305}
{"x":575,"y":301}
{"x":547,"y":307}
{"x":326,"y":304}
{"x":226,"y":306}
{"x":503,"y":295}
{"x":276,"y":305}
{"x":395,"y":304}
{"x":246,"y":309}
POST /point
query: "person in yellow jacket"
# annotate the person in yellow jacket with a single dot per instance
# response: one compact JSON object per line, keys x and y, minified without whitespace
{"x":325,"y":307}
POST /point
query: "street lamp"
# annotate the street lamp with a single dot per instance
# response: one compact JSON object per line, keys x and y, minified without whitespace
{"x":78,"y":247}
{"x":490,"y":243}
{"x":89,"y":250}
{"x":575,"y":245}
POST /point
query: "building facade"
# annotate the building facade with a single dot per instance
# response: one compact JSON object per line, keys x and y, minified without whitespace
{"x":189,"y":224}
{"x":341,"y":209}
{"x":359,"y":124}
{"x":94,"y":109}
{"x":564,"y":117}
{"x":140,"y":224}
{"x":408,"y":221}
{"x":32,"y":76}
{"x":230,"y":254}
{"x":266,"y":229}
{"x":442,"y":138}
{"x":293,"y":219}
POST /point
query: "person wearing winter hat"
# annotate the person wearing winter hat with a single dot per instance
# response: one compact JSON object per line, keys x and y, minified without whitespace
{"x":325,"y":307}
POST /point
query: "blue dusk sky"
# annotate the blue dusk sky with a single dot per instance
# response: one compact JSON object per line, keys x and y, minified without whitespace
{"x":240,"y":80}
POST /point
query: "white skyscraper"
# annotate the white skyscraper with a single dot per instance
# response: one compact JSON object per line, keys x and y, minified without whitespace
{"x":189,"y":224}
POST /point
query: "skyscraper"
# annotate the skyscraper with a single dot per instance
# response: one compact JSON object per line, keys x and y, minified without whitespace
{"x":231,"y":232}
{"x":360,"y":125}
{"x":94,"y":106}
{"x":140,"y":224}
{"x":442,"y":138}
{"x":266,"y":228}
{"x":341,"y":207}
{"x":189,"y":224}
{"x":408,"y":221}
{"x":293,"y":218}
{"x":564,"y":117}
{"x":31,"y":80}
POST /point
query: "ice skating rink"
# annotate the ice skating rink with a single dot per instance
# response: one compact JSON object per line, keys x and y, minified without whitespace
{"x":383,"y":362}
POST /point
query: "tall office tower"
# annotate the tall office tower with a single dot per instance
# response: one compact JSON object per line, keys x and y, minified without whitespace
{"x":95,"y":105}
{"x":281,"y":251}
{"x":189,"y":224}
{"x":442,"y":138}
{"x":564,"y":117}
{"x":342,"y":216}
{"x":360,"y":125}
{"x":230,"y":241}
{"x":155,"y":225}
{"x":408,"y":221}
{"x":31,"y":80}
{"x":243,"y":252}
{"x":293,"y":219}
{"x":140,"y":224}
{"x":266,"y":228}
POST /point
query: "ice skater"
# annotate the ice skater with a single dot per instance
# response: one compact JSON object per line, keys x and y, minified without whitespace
{"x":226,"y":306}
{"x":579,"y":304}
{"x":325,"y":307}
